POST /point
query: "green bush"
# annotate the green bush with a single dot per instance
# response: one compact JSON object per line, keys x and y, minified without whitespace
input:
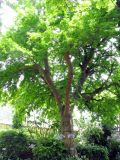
{"x":99,"y":136}
{"x":17,"y":146}
{"x":94,"y":135}
{"x":103,"y":137}
{"x":14,"y":145}
{"x":49,"y":149}
{"x":114,"y":150}
{"x":71,"y":158}
{"x":107,"y":132}
{"x":93,"y":152}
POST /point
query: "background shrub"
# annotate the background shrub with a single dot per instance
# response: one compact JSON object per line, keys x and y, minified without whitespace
{"x":18,"y":146}
{"x":14,"y":145}
{"x":70,"y":158}
{"x":99,"y":136}
{"x":93,"y":152}
{"x":114,"y":150}
{"x":49,"y":149}
{"x":94,"y":135}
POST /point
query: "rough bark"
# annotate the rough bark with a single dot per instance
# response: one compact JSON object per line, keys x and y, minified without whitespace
{"x":67,"y":133}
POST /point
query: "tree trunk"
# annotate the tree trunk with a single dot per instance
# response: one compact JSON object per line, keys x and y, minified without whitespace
{"x":67,"y":133}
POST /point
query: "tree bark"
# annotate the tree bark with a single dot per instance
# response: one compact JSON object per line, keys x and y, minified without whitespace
{"x":67,"y":133}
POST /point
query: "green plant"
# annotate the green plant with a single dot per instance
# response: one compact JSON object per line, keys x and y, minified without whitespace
{"x":94,"y":135}
{"x":15,"y":145}
{"x":47,"y":149}
{"x":72,"y":158}
{"x":114,"y":150}
{"x":99,"y":136}
{"x":93,"y":152}
{"x":16,"y":121}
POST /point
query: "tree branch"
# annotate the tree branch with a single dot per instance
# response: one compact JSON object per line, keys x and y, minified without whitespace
{"x":90,"y":96}
{"x":49,"y":81}
{"x":104,"y":85}
{"x":47,"y":67}
{"x":69,"y":81}
{"x":85,"y":72}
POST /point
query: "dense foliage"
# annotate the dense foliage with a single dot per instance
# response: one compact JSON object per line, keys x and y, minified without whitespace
{"x":19,"y":146}
{"x":15,"y":145}
{"x":103,"y":137}
{"x":114,"y":150}
{"x":49,"y":149}
{"x":93,"y":152}
{"x":99,"y":136}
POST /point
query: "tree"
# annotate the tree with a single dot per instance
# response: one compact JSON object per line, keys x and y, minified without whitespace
{"x":60,"y":55}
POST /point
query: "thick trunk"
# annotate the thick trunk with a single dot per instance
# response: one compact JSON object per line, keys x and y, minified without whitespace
{"x":67,"y":133}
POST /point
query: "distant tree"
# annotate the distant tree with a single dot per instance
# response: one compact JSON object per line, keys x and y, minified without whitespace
{"x":62,"y":54}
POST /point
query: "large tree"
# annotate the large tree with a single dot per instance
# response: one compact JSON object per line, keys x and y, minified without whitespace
{"x":62,"y":54}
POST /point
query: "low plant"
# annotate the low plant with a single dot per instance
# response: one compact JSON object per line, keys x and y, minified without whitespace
{"x":99,"y":136}
{"x":93,"y":152}
{"x":15,"y":145}
{"x":47,"y":149}
{"x":72,"y":158}
{"x":114,"y":150}
{"x":94,"y":135}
